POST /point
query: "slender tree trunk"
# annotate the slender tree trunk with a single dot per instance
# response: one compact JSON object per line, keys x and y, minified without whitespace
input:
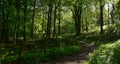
{"x":17,"y":20}
{"x":25,"y":19}
{"x":6,"y":23}
{"x":5,"y":15}
{"x":59,"y":18}
{"x":43,"y":22}
{"x":108,"y":16}
{"x":54,"y":29}
{"x":86,"y":24}
{"x":0,"y":21}
{"x":59,"y":24}
{"x":24,"y":34}
{"x":49,"y":20}
{"x":3,"y":23}
{"x":101,"y":17}
{"x":79,"y":19}
{"x":32,"y":27}
{"x":77,"y":14}
{"x":112,"y":13}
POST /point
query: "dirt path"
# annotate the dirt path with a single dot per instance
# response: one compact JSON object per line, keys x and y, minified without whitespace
{"x":77,"y":58}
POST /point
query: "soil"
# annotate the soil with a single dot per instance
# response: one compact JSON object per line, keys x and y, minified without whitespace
{"x":77,"y":58}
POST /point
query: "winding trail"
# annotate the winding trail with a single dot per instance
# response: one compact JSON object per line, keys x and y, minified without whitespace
{"x":76,"y":58}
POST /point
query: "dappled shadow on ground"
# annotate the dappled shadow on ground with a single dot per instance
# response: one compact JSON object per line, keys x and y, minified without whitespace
{"x":76,"y":58}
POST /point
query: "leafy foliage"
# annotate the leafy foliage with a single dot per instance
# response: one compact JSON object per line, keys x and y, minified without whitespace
{"x":52,"y":53}
{"x":106,"y":54}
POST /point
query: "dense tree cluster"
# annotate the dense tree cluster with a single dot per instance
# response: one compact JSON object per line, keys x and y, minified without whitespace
{"x":31,"y":19}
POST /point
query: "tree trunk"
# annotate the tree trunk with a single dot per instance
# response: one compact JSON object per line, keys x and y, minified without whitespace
{"x":21,"y":58}
{"x":101,"y":17}
{"x":49,"y":21}
{"x":79,"y":18}
{"x":86,"y":21}
{"x":17,"y":20}
{"x":5,"y":16}
{"x":3,"y":24}
{"x":59,"y":24}
{"x":32,"y":27}
{"x":25,"y":19}
{"x":59,"y":18}
{"x":1,"y":21}
{"x":112,"y":13}
{"x":54,"y":29}
{"x":86,"y":24}
{"x":43,"y":22}
{"x":77,"y":14}
{"x":108,"y":16}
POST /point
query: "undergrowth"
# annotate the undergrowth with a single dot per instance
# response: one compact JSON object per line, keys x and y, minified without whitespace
{"x":106,"y":54}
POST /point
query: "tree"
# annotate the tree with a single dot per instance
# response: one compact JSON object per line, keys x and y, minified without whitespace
{"x":32,"y":27}
{"x":59,"y":18}
{"x":24,"y":34}
{"x":5,"y":16}
{"x":112,"y":13}
{"x":0,"y":21}
{"x":101,"y":15}
{"x":17,"y":20}
{"x":77,"y":15}
{"x":25,"y":19}
{"x":55,"y":11}
{"x":108,"y":15}
{"x":50,"y":7}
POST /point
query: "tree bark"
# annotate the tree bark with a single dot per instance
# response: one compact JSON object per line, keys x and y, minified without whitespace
{"x":25,"y":19}
{"x":59,"y":24}
{"x":5,"y":16}
{"x":101,"y":17}
{"x":108,"y":16}
{"x":43,"y":22}
{"x":86,"y":24}
{"x":112,"y":13}
{"x":3,"y":23}
{"x":32,"y":27}
{"x":59,"y":18}
{"x":49,"y":20}
{"x":77,"y":14}
{"x":17,"y":20}
{"x":24,"y":34}
{"x":54,"y":29}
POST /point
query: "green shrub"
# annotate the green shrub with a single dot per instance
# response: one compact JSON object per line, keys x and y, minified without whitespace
{"x":106,"y":54}
{"x":38,"y":56}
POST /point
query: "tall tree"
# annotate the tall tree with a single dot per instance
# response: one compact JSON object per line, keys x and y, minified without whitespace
{"x":50,"y":6}
{"x":59,"y":18}
{"x":17,"y":19}
{"x":108,"y":15}
{"x":3,"y":21}
{"x":43,"y":22}
{"x":32,"y":27}
{"x":77,"y":15}
{"x":101,"y":15}
{"x":112,"y":13}
{"x":55,"y":10}
{"x":0,"y":21}
{"x":24,"y":34}
{"x":25,"y":19}
{"x":5,"y":15}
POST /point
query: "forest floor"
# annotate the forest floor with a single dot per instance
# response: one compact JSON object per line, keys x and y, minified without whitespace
{"x":77,"y":58}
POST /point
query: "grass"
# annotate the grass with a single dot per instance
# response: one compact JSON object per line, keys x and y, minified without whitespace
{"x":106,"y":54}
{"x":50,"y":54}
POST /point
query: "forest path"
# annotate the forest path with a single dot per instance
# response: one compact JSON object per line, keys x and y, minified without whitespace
{"x":78,"y":57}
